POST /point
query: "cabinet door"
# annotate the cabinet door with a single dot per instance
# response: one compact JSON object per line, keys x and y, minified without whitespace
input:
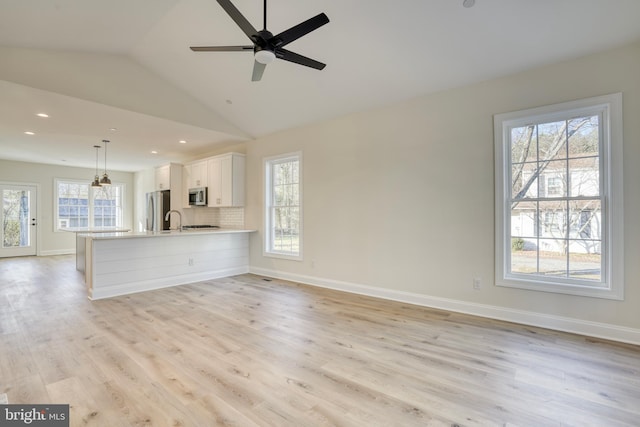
{"x":215,"y":188}
{"x":163,"y":178}
{"x":198,"y":175}
{"x":226,"y":181}
{"x":186,"y":184}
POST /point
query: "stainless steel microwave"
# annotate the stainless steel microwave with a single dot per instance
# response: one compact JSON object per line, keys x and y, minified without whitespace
{"x":198,"y":196}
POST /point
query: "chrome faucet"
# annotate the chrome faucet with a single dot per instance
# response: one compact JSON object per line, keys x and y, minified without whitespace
{"x":166,"y":218}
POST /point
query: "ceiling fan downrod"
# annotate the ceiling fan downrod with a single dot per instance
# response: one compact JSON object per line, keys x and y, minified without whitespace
{"x":264,"y":27}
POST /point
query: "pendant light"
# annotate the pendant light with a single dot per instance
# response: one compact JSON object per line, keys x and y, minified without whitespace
{"x":105,"y":178}
{"x":96,"y":179}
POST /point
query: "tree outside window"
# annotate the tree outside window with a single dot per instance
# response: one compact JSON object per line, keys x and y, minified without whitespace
{"x":15,"y":221}
{"x":555,"y":168}
{"x":283,"y":206}
{"x":559,"y":198}
{"x":80,"y":205}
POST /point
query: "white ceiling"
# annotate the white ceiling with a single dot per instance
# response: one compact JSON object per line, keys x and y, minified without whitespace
{"x":95,"y":65}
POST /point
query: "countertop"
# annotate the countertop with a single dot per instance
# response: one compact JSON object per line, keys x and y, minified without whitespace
{"x":167,"y":233}
{"x":95,"y":229}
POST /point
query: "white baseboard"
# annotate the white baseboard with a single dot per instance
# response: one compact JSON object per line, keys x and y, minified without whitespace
{"x":558,"y":323}
{"x":57,"y":252}
{"x":150,"y":285}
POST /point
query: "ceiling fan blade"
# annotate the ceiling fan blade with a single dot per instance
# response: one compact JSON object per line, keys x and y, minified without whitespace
{"x":295,"y":32}
{"x":220,"y":48}
{"x":238,"y":18}
{"x":258,"y":70}
{"x":287,"y":55}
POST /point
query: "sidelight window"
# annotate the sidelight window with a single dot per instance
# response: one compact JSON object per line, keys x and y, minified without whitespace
{"x":283,"y":206}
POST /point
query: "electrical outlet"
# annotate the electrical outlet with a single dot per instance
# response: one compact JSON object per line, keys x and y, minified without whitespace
{"x":190,"y":261}
{"x":313,"y":263}
{"x":477,"y":283}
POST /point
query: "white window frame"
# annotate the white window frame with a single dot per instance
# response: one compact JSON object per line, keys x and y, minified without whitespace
{"x":269,"y":238}
{"x":56,"y":207}
{"x":609,"y":107}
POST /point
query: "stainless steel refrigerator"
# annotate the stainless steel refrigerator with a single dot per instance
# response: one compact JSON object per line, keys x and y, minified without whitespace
{"x":158,"y":204}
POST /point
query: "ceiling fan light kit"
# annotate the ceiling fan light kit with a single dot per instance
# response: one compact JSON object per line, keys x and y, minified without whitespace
{"x":266,"y":46}
{"x":265,"y":56}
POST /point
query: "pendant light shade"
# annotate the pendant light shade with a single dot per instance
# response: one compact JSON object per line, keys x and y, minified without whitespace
{"x":96,"y":179}
{"x":105,"y":177}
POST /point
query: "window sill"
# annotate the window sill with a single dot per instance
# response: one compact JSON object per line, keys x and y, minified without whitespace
{"x":282,"y":256}
{"x":562,"y":288}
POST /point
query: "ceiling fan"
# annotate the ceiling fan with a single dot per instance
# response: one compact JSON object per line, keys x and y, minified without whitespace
{"x":266,"y":46}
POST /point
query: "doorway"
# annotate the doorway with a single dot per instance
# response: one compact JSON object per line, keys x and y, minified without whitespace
{"x":18,"y":220}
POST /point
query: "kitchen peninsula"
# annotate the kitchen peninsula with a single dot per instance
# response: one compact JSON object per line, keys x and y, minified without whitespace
{"x":125,"y":263}
{"x":80,"y":241}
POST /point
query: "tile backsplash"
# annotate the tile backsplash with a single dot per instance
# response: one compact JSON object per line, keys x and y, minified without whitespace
{"x":231,"y":217}
{"x":224,"y":217}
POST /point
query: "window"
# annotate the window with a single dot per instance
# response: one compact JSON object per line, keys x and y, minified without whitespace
{"x":561,"y":165}
{"x":554,"y":186}
{"x":80,"y":205}
{"x":283,"y":210}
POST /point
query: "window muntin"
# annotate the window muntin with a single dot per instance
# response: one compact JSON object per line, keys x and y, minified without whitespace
{"x":546,"y":148}
{"x":283,"y":237}
{"x":80,"y":205}
{"x":73,"y":204}
{"x":557,"y":195}
{"x":107,"y":206}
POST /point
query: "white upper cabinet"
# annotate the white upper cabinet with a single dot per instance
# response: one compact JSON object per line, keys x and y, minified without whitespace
{"x":226,"y":180}
{"x":186,"y":179}
{"x":163,"y":177}
{"x":169,"y":177}
{"x":197,"y":174}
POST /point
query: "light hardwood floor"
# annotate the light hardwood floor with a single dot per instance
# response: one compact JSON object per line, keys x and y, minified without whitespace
{"x":244,"y":351}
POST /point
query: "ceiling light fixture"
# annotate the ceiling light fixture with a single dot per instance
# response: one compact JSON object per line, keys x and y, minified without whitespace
{"x":468,"y":3}
{"x":105,"y":178}
{"x":182,"y":141}
{"x":28,"y":132}
{"x":265,"y":56}
{"x":42,"y":115}
{"x":154,"y":152}
{"x":96,"y":179}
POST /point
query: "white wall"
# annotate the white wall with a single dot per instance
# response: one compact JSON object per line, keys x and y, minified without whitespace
{"x":52,"y":242}
{"x":399,"y":201}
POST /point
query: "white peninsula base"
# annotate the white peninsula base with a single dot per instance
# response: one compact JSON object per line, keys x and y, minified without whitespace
{"x":125,"y":263}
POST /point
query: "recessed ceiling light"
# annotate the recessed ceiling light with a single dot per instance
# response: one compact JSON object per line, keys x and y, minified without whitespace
{"x":42,"y":115}
{"x":182,"y":141}
{"x":154,"y":152}
{"x":29,"y":133}
{"x":468,"y":3}
{"x":113,"y":129}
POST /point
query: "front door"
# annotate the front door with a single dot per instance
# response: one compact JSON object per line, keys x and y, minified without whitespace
{"x":18,"y":226}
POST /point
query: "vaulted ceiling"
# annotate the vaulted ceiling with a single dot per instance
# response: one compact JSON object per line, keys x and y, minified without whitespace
{"x":96,"y":65}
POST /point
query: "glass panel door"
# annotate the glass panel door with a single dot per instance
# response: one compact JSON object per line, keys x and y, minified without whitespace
{"x":18,"y":220}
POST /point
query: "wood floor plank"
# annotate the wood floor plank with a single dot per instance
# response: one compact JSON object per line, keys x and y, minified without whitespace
{"x":245,"y":351}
